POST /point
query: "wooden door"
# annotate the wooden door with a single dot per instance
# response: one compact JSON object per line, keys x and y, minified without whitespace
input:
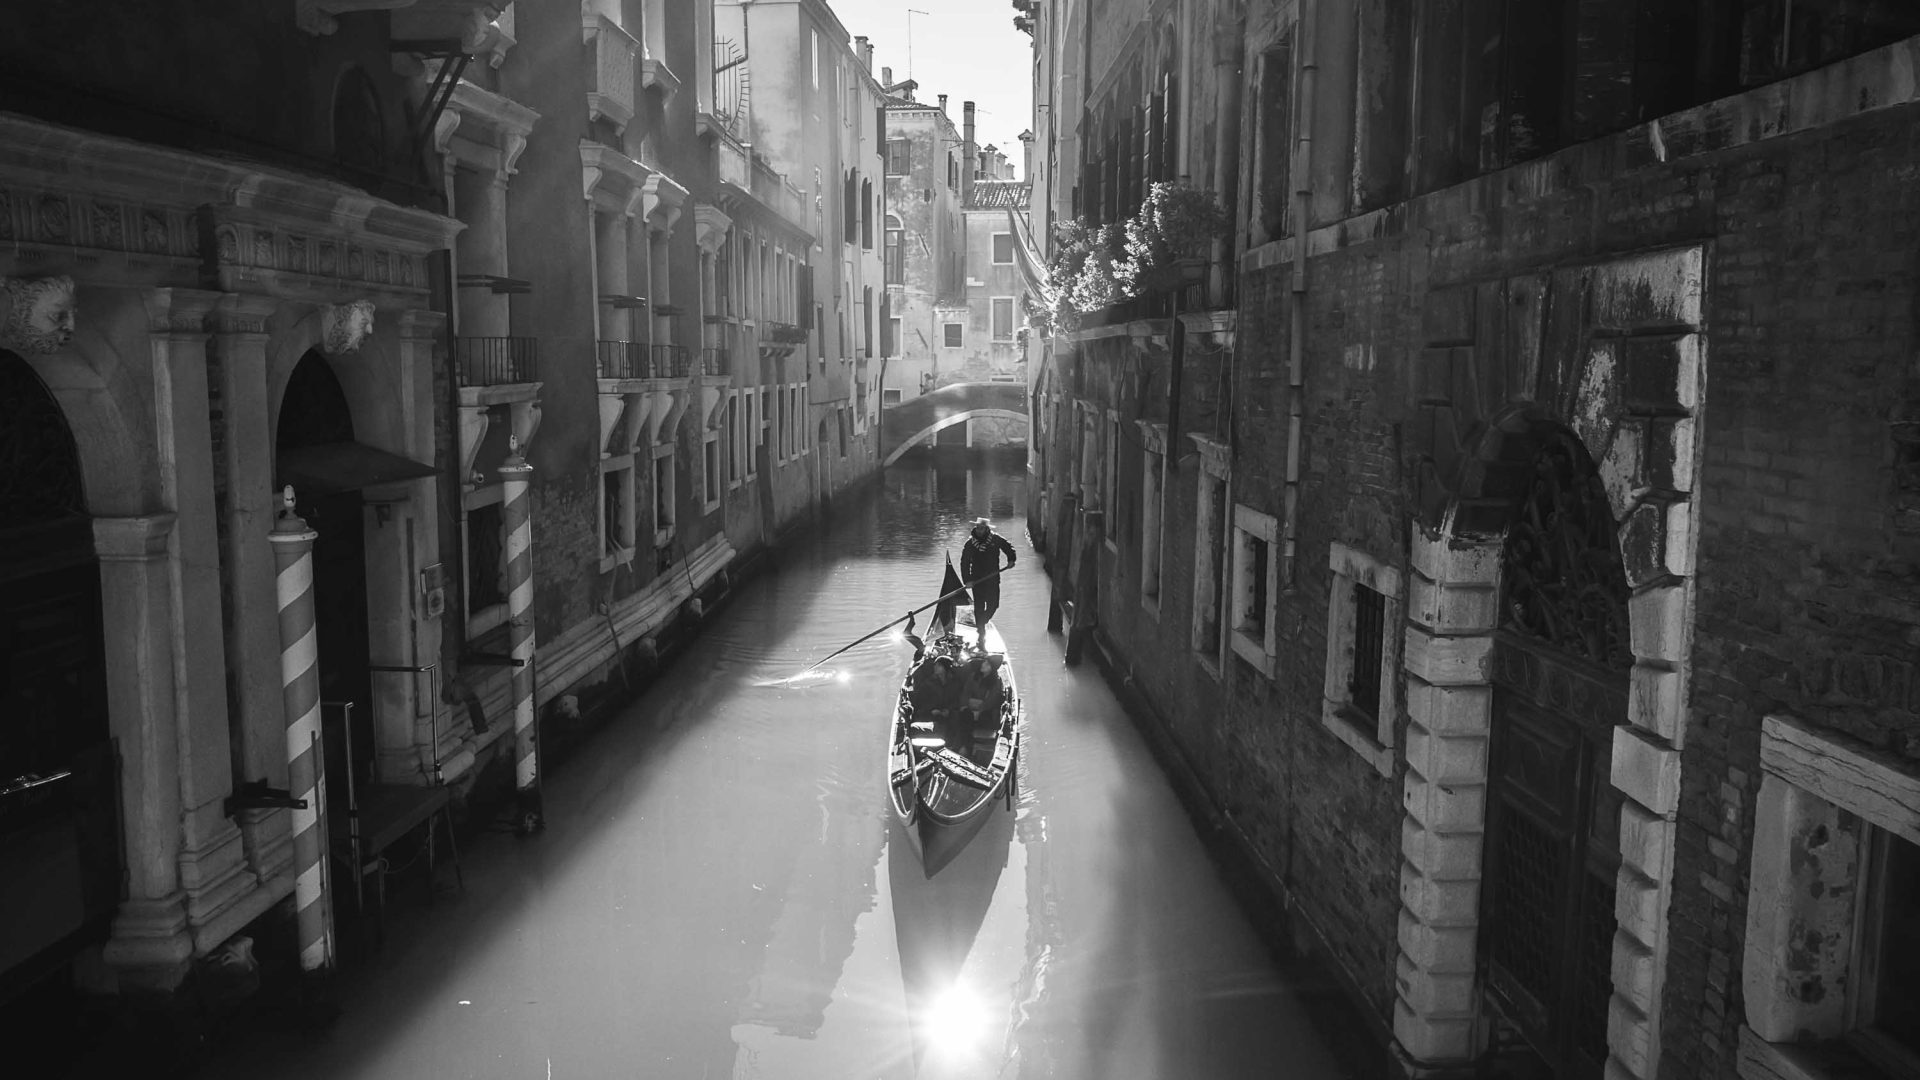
{"x":1560,"y":688}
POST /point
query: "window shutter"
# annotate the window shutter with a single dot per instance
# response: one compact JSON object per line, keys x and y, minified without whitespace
{"x":804,"y":282}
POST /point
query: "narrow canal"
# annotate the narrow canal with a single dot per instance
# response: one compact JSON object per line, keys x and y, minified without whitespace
{"x":721,"y":893}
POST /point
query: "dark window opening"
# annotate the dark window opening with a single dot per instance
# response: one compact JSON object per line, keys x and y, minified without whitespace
{"x":1369,"y":638}
{"x":486,"y":557}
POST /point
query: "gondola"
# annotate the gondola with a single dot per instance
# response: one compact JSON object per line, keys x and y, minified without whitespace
{"x":941,"y":794}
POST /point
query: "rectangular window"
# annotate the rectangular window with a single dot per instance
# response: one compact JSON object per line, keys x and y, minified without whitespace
{"x":1152,"y":512}
{"x":1369,"y":627}
{"x":1003,"y":318}
{"x":1256,"y":589}
{"x":1836,"y":825}
{"x":486,"y":539}
{"x":616,"y":511}
{"x":734,"y":431}
{"x":953,"y":331}
{"x":710,"y":468}
{"x":664,"y":496}
{"x":899,"y":157}
{"x":896,"y":257}
{"x":1002,"y":248}
{"x":1886,"y":1008}
{"x":1362,"y":680}
{"x":891,"y":346}
{"x":1110,"y":479}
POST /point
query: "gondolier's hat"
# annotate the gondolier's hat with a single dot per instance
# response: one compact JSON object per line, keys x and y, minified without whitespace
{"x":982,"y":523}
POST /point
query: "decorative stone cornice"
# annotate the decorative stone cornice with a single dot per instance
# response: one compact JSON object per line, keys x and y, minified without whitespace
{"x":710,"y":227}
{"x":38,"y":316}
{"x":238,"y":313}
{"x":179,"y":311}
{"x":600,"y":163}
{"x":344,"y":326}
{"x":131,"y":539}
{"x":1216,"y":458}
{"x":663,"y":201}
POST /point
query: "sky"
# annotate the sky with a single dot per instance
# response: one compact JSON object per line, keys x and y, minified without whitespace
{"x":966,"y":49}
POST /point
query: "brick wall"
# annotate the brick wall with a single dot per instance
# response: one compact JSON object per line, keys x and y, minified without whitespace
{"x":1808,"y":565}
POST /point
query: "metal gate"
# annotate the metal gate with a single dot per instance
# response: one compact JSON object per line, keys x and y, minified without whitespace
{"x":1560,"y":687}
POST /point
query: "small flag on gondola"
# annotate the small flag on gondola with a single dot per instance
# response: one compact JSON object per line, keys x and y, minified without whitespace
{"x":953,"y":593}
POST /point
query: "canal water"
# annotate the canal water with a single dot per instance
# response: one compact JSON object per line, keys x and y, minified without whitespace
{"x":721,"y":892}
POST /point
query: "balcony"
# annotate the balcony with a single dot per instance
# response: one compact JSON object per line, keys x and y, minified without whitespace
{"x":671,"y":362}
{"x":613,"y":51}
{"x":497,"y":361}
{"x":716,"y":361}
{"x":624,"y":359}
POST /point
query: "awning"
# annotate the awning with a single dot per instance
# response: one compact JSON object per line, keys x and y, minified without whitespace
{"x":1033,"y":266}
{"x":331,"y":468}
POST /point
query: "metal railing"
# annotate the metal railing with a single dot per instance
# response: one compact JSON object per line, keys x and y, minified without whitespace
{"x":623,"y":359}
{"x":671,"y":362}
{"x":492,"y":361}
{"x":716,"y":361}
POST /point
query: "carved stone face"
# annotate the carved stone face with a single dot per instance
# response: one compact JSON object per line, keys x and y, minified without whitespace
{"x":39,"y":314}
{"x":345,"y":326}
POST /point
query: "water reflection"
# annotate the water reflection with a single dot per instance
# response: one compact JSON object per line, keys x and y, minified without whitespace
{"x":710,"y":898}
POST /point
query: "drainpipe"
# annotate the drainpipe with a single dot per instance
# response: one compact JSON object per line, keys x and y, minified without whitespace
{"x":1297,"y":298}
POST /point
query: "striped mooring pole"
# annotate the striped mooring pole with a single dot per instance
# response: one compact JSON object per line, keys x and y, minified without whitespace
{"x":306,"y":764}
{"x":515,"y":476}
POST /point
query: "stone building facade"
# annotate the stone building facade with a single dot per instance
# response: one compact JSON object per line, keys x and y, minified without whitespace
{"x":1514,"y":540}
{"x":534,"y":319}
{"x":925,"y":243}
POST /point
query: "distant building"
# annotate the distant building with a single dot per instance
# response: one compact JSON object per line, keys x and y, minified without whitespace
{"x":925,"y":244}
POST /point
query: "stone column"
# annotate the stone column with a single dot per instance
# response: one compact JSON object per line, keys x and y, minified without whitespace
{"x":150,"y":946}
{"x":240,"y":344}
{"x":306,"y":756}
{"x":213,"y":865}
{"x":515,"y":477}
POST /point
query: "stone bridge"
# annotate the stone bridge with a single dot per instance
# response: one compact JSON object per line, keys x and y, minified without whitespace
{"x":911,"y":423}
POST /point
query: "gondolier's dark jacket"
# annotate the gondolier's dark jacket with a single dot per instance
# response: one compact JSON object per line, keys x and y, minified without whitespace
{"x":978,"y":558}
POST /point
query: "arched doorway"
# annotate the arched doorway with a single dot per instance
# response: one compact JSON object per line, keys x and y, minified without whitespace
{"x":60,"y":860}
{"x":1561,"y":658}
{"x":316,"y":425}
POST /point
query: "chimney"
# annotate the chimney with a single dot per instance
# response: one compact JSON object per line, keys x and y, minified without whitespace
{"x":864,"y":49}
{"x":966,"y":137}
{"x":943,"y":104}
{"x":886,"y":77}
{"x":1026,"y":155}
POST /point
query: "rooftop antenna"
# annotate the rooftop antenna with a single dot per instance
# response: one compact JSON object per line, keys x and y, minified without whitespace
{"x":911,"y":12}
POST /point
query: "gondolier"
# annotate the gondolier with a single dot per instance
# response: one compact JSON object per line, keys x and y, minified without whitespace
{"x":980,"y":566}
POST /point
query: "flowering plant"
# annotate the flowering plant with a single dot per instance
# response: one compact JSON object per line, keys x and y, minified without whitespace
{"x":1176,"y":224}
{"x":1083,"y":270}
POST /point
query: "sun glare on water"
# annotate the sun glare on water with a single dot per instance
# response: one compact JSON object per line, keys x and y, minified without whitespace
{"x":956,"y":1022}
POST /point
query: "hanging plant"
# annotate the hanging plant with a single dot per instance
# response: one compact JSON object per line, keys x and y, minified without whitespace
{"x":1176,"y":226}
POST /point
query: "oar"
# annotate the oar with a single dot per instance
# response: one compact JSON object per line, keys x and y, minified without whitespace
{"x":894,"y":623}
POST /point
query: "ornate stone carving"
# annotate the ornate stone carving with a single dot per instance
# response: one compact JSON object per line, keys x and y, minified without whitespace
{"x":56,"y":218}
{"x":39,"y":314}
{"x":108,"y":226}
{"x":344,"y":326}
{"x":153,"y":231}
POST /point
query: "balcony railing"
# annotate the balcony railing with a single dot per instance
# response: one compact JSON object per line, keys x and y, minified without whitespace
{"x":672,"y":361}
{"x":624,"y":359}
{"x":716,"y":361}
{"x":495,"y":361}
